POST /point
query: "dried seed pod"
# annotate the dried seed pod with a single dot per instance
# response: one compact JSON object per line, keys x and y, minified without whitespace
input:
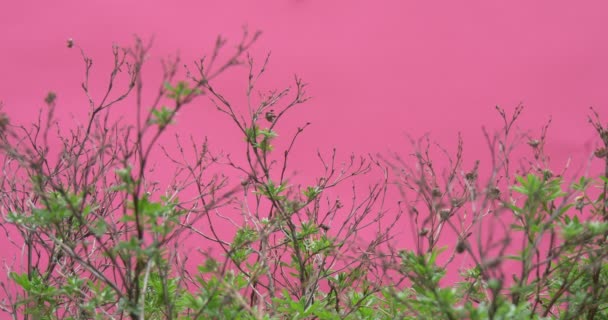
{"x":445,"y":214}
{"x":436,"y":193}
{"x":270,"y":116}
{"x":458,"y":202}
{"x":493,"y":193}
{"x":491,"y":263}
{"x":533,"y":143}
{"x":601,"y":153}
{"x":461,"y":246}
{"x":50,"y":98}
{"x":579,"y":202}
{"x":339,"y":204}
{"x":471,"y":176}
{"x":4,"y":121}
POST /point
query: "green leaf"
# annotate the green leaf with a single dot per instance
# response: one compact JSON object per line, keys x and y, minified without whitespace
{"x":162,"y":117}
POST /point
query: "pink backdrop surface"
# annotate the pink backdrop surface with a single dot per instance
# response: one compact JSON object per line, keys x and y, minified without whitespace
{"x":376,"y":69}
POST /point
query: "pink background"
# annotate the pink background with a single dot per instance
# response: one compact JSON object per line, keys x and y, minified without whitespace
{"x":377,"y":69}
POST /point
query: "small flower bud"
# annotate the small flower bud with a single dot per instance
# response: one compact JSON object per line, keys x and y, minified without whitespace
{"x":70,"y":43}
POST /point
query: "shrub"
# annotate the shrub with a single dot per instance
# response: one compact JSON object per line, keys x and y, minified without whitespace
{"x":101,"y":239}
